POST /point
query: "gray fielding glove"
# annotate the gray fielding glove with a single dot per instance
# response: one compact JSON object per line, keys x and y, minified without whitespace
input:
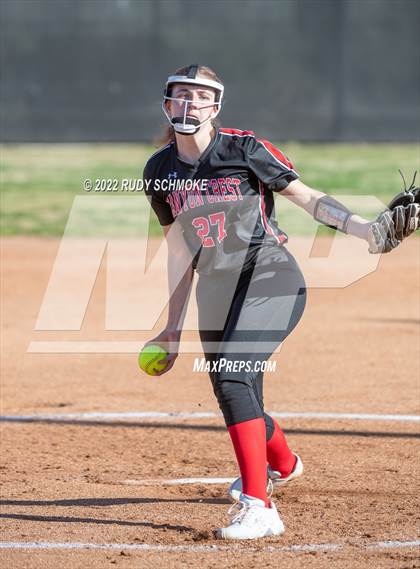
{"x":397,"y":222}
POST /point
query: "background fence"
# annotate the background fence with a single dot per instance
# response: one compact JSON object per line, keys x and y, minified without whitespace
{"x":308,"y":70}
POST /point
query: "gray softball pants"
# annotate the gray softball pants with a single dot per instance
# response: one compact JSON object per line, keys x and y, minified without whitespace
{"x":242,"y":321}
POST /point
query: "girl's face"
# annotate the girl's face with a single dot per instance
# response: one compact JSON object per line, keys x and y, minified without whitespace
{"x":199,"y":101}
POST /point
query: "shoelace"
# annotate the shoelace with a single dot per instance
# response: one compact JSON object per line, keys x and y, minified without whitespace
{"x":237,"y":512}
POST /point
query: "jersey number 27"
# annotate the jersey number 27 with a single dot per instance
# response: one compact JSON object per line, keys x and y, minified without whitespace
{"x":202,"y":225}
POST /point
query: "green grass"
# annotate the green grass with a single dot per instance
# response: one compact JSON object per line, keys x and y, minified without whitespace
{"x":40,"y":181}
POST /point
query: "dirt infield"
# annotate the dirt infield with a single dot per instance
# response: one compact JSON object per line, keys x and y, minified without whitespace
{"x":97,"y":481}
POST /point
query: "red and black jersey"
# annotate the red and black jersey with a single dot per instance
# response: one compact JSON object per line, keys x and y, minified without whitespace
{"x":224,"y":201}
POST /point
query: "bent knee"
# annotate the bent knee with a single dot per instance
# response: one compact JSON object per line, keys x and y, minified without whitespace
{"x":237,"y":401}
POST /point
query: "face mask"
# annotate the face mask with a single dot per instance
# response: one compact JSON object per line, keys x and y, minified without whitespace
{"x":184,"y":124}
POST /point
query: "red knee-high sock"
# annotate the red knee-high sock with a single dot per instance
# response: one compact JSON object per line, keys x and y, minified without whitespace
{"x":279,"y":455}
{"x":249,"y":442}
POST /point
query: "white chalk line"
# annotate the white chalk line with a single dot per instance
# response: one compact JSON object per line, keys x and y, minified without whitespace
{"x":391,"y":544}
{"x":209,"y":548}
{"x":176,"y":481}
{"x":92,"y":416}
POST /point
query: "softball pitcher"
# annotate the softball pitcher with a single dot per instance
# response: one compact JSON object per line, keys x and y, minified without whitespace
{"x":212,"y":190}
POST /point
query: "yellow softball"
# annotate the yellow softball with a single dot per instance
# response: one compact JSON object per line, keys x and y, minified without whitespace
{"x":149,"y":359}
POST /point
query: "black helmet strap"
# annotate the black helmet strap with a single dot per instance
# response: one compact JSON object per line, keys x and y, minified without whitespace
{"x":192,"y":71}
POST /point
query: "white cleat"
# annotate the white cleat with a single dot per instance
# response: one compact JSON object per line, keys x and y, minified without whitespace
{"x":251,"y":520}
{"x":274,"y":478}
